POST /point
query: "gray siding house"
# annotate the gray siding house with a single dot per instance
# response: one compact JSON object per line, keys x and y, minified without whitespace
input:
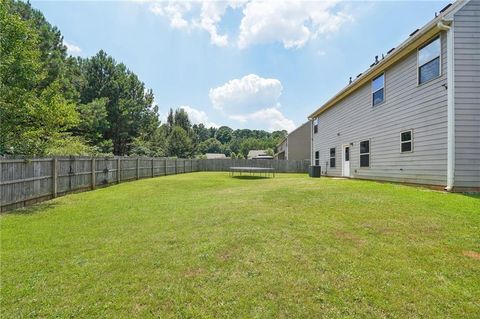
{"x":414,"y":115}
{"x":296,"y":145}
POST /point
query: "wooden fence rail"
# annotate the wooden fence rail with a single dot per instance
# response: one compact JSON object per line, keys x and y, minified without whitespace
{"x":27,"y":181}
{"x":24,"y":182}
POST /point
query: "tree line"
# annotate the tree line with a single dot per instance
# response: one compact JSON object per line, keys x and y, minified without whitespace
{"x":55,"y":104}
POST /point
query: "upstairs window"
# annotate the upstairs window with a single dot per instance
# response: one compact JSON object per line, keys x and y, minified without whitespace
{"x":429,"y":61}
{"x":378,"y":90}
{"x":332,"y":157}
{"x":317,"y":158}
{"x":406,"y":141}
{"x":365,"y":154}
{"x":315,"y":125}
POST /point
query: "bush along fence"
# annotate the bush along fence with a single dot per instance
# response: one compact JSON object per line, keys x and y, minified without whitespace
{"x":24,"y":182}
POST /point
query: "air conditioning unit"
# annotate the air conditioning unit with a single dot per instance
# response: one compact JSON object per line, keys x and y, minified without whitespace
{"x":314,"y":171}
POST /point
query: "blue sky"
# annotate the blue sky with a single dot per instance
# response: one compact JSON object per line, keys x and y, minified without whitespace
{"x":245,"y":64}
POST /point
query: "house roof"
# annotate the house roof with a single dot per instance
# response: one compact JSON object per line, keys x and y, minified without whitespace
{"x":283,"y":140}
{"x":417,"y":38}
{"x":215,"y":155}
{"x":256,"y":153}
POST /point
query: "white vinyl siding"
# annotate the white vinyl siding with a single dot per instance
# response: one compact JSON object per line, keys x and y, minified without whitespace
{"x":422,"y":108}
{"x":467,"y":95}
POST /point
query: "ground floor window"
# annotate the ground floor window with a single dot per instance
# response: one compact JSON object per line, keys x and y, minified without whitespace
{"x":317,"y":158}
{"x":332,"y":157}
{"x":406,"y":141}
{"x":365,"y":154}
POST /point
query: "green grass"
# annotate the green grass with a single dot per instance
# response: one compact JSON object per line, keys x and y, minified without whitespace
{"x":207,"y":245}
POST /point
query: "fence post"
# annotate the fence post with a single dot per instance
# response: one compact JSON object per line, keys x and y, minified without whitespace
{"x":119,"y":170}
{"x":184,"y":166}
{"x":138,"y":167}
{"x":152,"y":167}
{"x":94,"y":172}
{"x":54,"y":176}
{"x":176,"y":166}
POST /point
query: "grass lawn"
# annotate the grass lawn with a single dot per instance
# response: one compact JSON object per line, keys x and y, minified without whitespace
{"x":207,"y":245}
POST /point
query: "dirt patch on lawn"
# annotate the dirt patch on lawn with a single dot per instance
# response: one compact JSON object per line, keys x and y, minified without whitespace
{"x":472,"y":254}
{"x":356,"y":240}
{"x":225,"y":256}
{"x":194,"y":272}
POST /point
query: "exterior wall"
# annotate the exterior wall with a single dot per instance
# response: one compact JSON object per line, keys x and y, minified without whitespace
{"x":298,"y":147}
{"x":407,"y":105}
{"x":467,"y":95}
{"x":282,"y":150}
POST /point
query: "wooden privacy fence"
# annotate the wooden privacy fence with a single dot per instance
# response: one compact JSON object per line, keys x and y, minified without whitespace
{"x":24,"y":182}
{"x":27,"y":181}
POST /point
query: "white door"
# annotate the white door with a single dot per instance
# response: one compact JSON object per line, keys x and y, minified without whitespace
{"x":346,"y":161}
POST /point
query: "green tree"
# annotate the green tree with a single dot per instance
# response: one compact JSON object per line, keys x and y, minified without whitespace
{"x":182,"y":120}
{"x":210,"y":146}
{"x":94,"y":123}
{"x":224,"y":134}
{"x":178,"y":143}
{"x":256,"y":144}
{"x":34,"y":112}
{"x":201,"y":132}
{"x":212,"y":131}
{"x":130,"y":108}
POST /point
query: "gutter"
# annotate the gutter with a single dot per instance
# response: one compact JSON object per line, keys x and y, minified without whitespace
{"x":447,"y":25}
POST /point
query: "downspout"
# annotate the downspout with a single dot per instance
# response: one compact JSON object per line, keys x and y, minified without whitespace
{"x":446,"y":25}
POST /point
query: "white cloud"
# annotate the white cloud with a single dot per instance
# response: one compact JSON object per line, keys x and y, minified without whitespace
{"x":252,"y":99}
{"x":247,"y":94}
{"x":72,"y":49}
{"x":271,"y":119}
{"x":197,"y":116}
{"x":210,"y":14}
{"x":292,"y":23}
{"x":174,"y":11}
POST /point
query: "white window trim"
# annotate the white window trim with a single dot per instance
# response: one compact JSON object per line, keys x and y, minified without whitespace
{"x":437,"y":36}
{"x":411,"y":141}
{"x":383,"y":87}
{"x":315,"y":158}
{"x":369,"y":154}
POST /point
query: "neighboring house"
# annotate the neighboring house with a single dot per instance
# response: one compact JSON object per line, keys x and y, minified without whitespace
{"x":414,"y":115}
{"x":282,"y":149}
{"x":258,"y":154}
{"x":215,"y":156}
{"x":296,"y":145}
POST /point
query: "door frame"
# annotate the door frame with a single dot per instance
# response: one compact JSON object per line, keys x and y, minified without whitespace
{"x":349,"y":160}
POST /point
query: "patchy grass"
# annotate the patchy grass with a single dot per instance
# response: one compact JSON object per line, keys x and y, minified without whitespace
{"x":206,"y":245}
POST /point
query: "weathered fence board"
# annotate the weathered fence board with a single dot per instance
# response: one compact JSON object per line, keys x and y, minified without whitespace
{"x":27,"y":181}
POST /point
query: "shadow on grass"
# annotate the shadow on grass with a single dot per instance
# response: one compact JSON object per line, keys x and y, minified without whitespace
{"x":472,"y":195}
{"x":34,"y":209}
{"x":250,"y":177}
